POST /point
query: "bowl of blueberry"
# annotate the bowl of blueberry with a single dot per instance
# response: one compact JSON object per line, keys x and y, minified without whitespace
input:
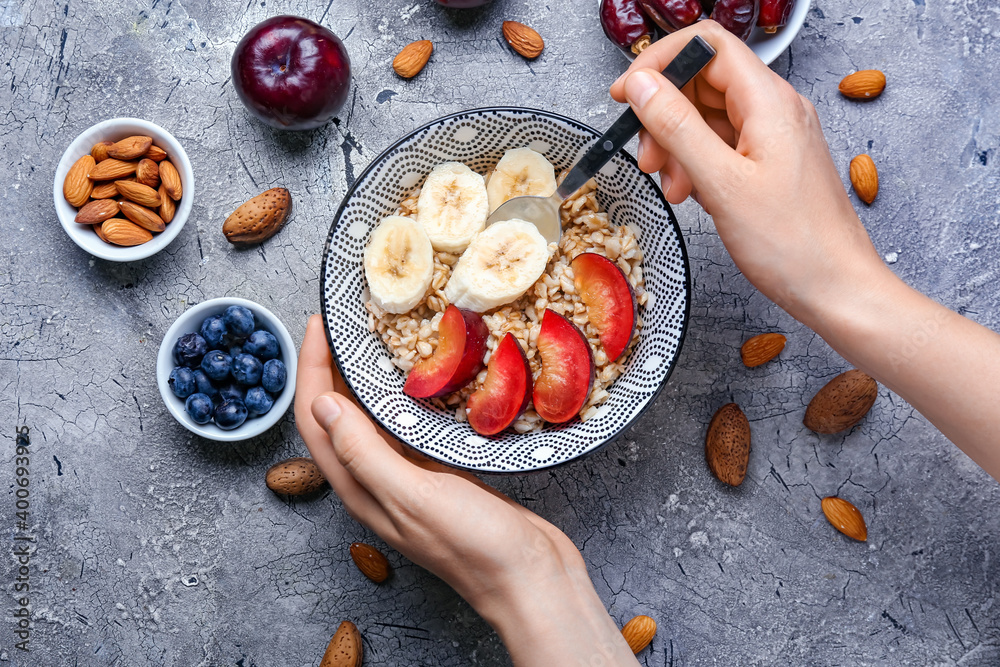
{"x":226,"y":369}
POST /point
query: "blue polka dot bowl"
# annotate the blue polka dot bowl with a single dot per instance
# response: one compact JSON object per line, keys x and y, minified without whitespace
{"x":479,"y":138}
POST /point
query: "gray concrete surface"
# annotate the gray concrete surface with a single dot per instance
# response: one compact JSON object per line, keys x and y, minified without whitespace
{"x":154,"y":547}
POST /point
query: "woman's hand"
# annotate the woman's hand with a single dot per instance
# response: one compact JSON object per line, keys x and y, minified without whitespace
{"x":521,"y":573}
{"x":751,"y":151}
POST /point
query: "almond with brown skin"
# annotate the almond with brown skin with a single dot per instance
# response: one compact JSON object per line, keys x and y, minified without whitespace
{"x":295,"y":477}
{"x":130,"y":148}
{"x":148,"y":173}
{"x":112,"y":170}
{"x":727,"y":444}
{"x":142,"y":216}
{"x":841,"y":403}
{"x":156,"y":154}
{"x":171,"y":179}
{"x":97,"y":211}
{"x":124,"y":233}
{"x":168,"y":207}
{"x":639,"y":632}
{"x":761,"y":349}
{"x":523,"y":39}
{"x":139,"y":193}
{"x":98,"y":229}
{"x":345,"y":649}
{"x":371,"y":562}
{"x":866,"y":84}
{"x":864,"y":178}
{"x":100,"y":150}
{"x":845,"y":517}
{"x":411,"y":60}
{"x":260,"y":218}
{"x":77,"y":186}
{"x":105,"y":190}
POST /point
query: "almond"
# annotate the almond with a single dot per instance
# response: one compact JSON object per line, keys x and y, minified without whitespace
{"x":77,"y":186}
{"x":523,"y":39}
{"x":845,"y":517}
{"x":148,"y":173}
{"x":841,"y":403}
{"x":139,"y":193}
{"x":864,"y":85}
{"x":639,"y":632}
{"x":258,"y":219}
{"x":100,"y":150}
{"x":761,"y":349}
{"x":168,"y":207}
{"x":130,"y":148}
{"x":295,"y":477}
{"x":727,"y":444}
{"x":122,"y":232}
{"x":371,"y":562}
{"x":97,"y":211}
{"x":412,"y":58}
{"x":104,"y":191}
{"x":345,"y":649}
{"x":171,"y":179}
{"x":112,"y":170}
{"x":142,"y":216}
{"x":156,"y":154}
{"x":864,"y":178}
{"x":98,"y":229}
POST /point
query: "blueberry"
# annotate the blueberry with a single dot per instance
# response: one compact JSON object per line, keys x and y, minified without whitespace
{"x":274,"y":376}
{"x":230,"y":392}
{"x":182,"y":382}
{"x":189,"y":350}
{"x":263,"y":345}
{"x":199,"y":407}
{"x":247,"y":369}
{"x":217,"y":365}
{"x":258,"y":401}
{"x":230,"y":414}
{"x":204,"y":383}
{"x":213,"y":330}
{"x":239,"y":322}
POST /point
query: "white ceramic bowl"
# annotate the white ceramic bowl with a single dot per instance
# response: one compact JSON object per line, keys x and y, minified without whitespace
{"x":190,"y":322}
{"x":113,"y":130}
{"x":769,"y":47}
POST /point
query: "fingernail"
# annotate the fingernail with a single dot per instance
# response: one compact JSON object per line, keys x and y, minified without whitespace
{"x":619,"y":79}
{"x":638,"y":153}
{"x":665,"y":183}
{"x":639,"y":88}
{"x":325,"y":410}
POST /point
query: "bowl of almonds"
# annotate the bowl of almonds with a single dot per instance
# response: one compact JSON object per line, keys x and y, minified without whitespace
{"x":123,"y":189}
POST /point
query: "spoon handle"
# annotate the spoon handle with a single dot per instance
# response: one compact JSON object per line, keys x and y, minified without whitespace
{"x":684,"y":67}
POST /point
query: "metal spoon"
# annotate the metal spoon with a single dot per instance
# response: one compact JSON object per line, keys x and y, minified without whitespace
{"x":544,"y":211}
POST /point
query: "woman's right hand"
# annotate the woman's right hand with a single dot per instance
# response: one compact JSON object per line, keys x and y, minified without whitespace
{"x":752,"y":153}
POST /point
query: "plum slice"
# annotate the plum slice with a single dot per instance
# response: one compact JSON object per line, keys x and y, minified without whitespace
{"x":567,"y":369}
{"x":609,"y":298}
{"x":506,"y":392}
{"x":458,"y":358}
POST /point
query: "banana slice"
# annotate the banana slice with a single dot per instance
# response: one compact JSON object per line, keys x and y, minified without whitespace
{"x":501,"y":263}
{"x":452,"y":206}
{"x":520,"y":171}
{"x":399,"y":264}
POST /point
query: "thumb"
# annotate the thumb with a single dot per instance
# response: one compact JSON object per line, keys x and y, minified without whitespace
{"x":675,"y":124}
{"x":361,"y":450}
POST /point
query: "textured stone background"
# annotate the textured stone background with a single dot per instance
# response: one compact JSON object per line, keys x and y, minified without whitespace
{"x":158,"y":548}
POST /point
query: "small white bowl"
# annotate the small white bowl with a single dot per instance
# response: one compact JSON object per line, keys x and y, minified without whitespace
{"x":189,"y":322}
{"x":113,"y":130}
